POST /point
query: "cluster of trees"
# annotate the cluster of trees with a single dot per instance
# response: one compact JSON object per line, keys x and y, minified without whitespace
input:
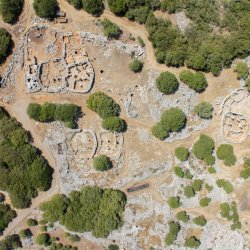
{"x":23,"y":171}
{"x":60,"y":246}
{"x":5,"y":44}
{"x":136,"y":66}
{"x":245,"y":173}
{"x":225,"y":152}
{"x":91,"y":209}
{"x":108,"y":110}
{"x":181,"y":153}
{"x":174,"y":229}
{"x":204,"y":110}
{"x":196,"y":81}
{"x":226,"y":185}
{"x":172,"y":120}
{"x":182,"y":174}
{"x":48,"y":112}
{"x":199,"y":47}
{"x":6,"y":216}
{"x":11,"y":9}
{"x":229,"y":211}
{"x":110,"y":29}
{"x":167,"y":83}
{"x":242,"y":70}
{"x":203,"y":149}
{"x":196,"y":186}
{"x":45,"y":8}
{"x":94,"y":7}
{"x":102,"y":163}
{"x":11,"y":242}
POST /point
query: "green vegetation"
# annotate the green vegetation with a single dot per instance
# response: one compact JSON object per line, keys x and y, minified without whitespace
{"x":6,"y":216}
{"x":179,"y":172}
{"x":242,"y":70}
{"x":182,"y":216}
{"x":23,"y":171}
{"x":5,"y":44}
{"x":196,"y":81}
{"x":25,"y":233}
{"x":91,"y":209}
{"x":140,"y":41}
{"x":136,"y":66}
{"x":60,"y":246}
{"x":31,"y":222}
{"x":204,"y":202}
{"x":226,"y":185}
{"x":189,"y":191}
{"x":102,"y":163}
{"x":174,"y":202}
{"x":200,"y":221}
{"x":94,"y":7}
{"x":174,"y":228}
{"x":229,"y":211}
{"x":10,"y":9}
{"x":114,"y":124}
{"x":74,"y":238}
{"x":203,"y":149}
{"x":208,"y":187}
{"x":113,"y":247}
{"x":188,"y":175}
{"x":247,"y":84}
{"x":118,"y":7}
{"x":45,"y":8}
{"x":245,"y":173}
{"x":43,"y":239}
{"x":103,"y":105}
{"x":211,"y":170}
{"x":192,"y":242}
{"x":2,"y":197}
{"x":11,"y":242}
{"x":225,"y":152}
{"x":182,"y":153}
{"x":76,"y":3}
{"x":167,"y":83}
{"x":204,"y":110}
{"x":48,"y":112}
{"x":110,"y":29}
{"x":171,"y":6}
{"x":197,"y":185}
{"x":172,"y":120}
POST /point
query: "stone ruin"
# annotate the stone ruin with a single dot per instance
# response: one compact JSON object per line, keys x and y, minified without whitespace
{"x":67,"y":67}
{"x":235,"y":116}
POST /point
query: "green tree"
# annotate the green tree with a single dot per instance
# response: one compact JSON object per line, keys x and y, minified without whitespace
{"x":174,"y":228}
{"x":242,"y":70}
{"x":25,"y":233}
{"x":179,"y":172}
{"x":192,"y":242}
{"x":45,"y":8}
{"x":247,"y":84}
{"x":174,"y":202}
{"x":76,"y":3}
{"x":114,"y":124}
{"x":34,"y":111}
{"x":110,"y":29}
{"x":136,"y":66}
{"x":205,"y":201}
{"x":118,"y":7}
{"x":189,"y":192}
{"x":182,"y":216}
{"x":167,"y":83}
{"x":31,"y":222}
{"x":182,"y":153}
{"x":204,"y":110}
{"x":94,"y":7}
{"x":6,"y":216}
{"x":10,"y":9}
{"x":159,"y":132}
{"x":170,"y":6}
{"x":102,"y":163}
{"x":5,"y":44}
{"x":113,"y":247}
{"x":225,"y":152}
{"x":197,"y":185}
{"x":200,"y":220}
{"x":43,"y":239}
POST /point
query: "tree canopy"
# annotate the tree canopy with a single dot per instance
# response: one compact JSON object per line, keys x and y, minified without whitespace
{"x":114,"y":124}
{"x":136,"y":66}
{"x":182,"y":153}
{"x":225,"y":152}
{"x":242,"y":70}
{"x":76,"y":3}
{"x":5,"y":44}
{"x":167,"y":83}
{"x":102,"y":163}
{"x":6,"y":216}
{"x":94,"y":7}
{"x":110,"y":29}
{"x":45,"y":8}
{"x":204,"y":110}
{"x":10,"y":9}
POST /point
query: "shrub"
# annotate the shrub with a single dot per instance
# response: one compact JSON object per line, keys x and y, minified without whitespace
{"x":102,"y":163}
{"x":136,"y":66}
{"x":45,"y":8}
{"x":247,"y":84}
{"x":205,"y":201}
{"x":182,"y":153}
{"x":113,"y":247}
{"x":74,"y":238}
{"x":11,"y":242}
{"x":2,"y":197}
{"x":6,"y":216}
{"x":31,"y":222}
{"x":167,"y":83}
{"x":208,"y":187}
{"x":189,"y":192}
{"x":114,"y":124}
{"x":226,"y":185}
{"x":192,"y":242}
{"x":242,"y":70}
{"x":159,"y":132}
{"x":25,"y":233}
{"x":245,"y":173}
{"x":174,"y":202}
{"x":118,"y":7}
{"x":76,"y":3}
{"x":174,"y":228}
{"x":10,"y":9}
{"x":110,"y":29}
{"x":225,"y":152}
{"x":197,"y":185}
{"x":211,"y":170}
{"x":196,"y":81}
{"x":103,"y":105}
{"x":200,"y":220}
{"x":188,"y":175}
{"x":92,"y":209}
{"x":140,"y":41}
{"x":178,"y":171}
{"x":94,"y":7}
{"x":203,"y":149}
{"x":43,"y":239}
{"x":5,"y":44}
{"x":171,"y":6}
{"x":204,"y":110}
{"x":182,"y":216}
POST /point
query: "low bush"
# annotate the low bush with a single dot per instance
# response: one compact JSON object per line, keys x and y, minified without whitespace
{"x":188,"y":175}
{"x":174,"y":228}
{"x":211,"y":170}
{"x":200,"y":221}
{"x":189,"y":192}
{"x":192,"y":242}
{"x":247,"y":84}
{"x":208,"y":187}
{"x":76,"y":3}
{"x":197,"y":185}
{"x":136,"y":66}
{"x":167,"y":83}
{"x":25,"y":233}
{"x":31,"y":222}
{"x":182,"y":216}
{"x":245,"y":173}
{"x":113,"y":247}
{"x":242,"y":70}
{"x":225,"y":152}
{"x":94,"y":7}
{"x":114,"y":124}
{"x":182,"y":153}
{"x":102,"y":163}
{"x":174,"y":202}
{"x":204,"y":110}
{"x":43,"y":239}
{"x":226,"y":185}
{"x":110,"y":29}
{"x":179,"y":172}
{"x":204,"y":202}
